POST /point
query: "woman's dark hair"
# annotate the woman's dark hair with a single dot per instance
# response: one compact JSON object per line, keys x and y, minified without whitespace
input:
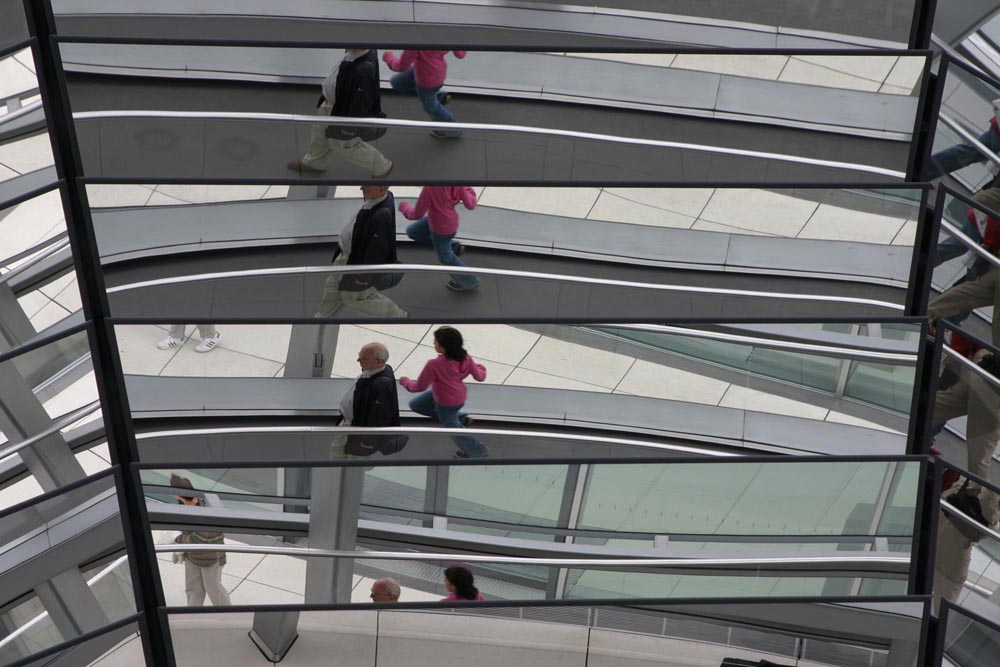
{"x":461,"y":578}
{"x":179,"y":482}
{"x":450,"y":339}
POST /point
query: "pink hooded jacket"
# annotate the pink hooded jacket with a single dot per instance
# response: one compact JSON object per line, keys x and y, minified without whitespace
{"x":429,"y":67}
{"x":444,"y":376}
{"x":438,"y":204}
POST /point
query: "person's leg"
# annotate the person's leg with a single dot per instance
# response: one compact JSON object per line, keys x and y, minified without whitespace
{"x":951,"y":403}
{"x":432,"y":105}
{"x":443,"y":246}
{"x":948,"y":250}
{"x":212,"y":581}
{"x":319,"y":145}
{"x":193,"y":585}
{"x":952,"y":159}
{"x":207,"y":331}
{"x":372,"y":302}
{"x":964,"y":297}
{"x":470,"y":445}
{"x":332,"y":300}
{"x":420,"y":231}
{"x":362,"y":154}
{"x":177,"y":331}
{"x":404,"y":82}
{"x":423,"y":404}
{"x":982,"y":427}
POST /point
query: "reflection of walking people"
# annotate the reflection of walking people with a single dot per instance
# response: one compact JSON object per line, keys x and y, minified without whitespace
{"x":209,"y":338}
{"x":437,"y":224}
{"x":422,"y":73}
{"x":202,"y":569}
{"x":351,"y":90}
{"x":370,"y":238}
{"x":447,"y":394}
{"x":962,"y":155}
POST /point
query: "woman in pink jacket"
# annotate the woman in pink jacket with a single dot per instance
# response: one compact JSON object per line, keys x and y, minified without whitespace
{"x":444,"y":400}
{"x":436,"y":225}
{"x":422,"y":73}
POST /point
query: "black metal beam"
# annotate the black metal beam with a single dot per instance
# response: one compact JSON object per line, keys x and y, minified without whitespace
{"x":106,"y":363}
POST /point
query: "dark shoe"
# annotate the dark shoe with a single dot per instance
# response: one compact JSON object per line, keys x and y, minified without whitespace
{"x":466,"y":421}
{"x":455,"y":287}
{"x":440,"y":134}
{"x":387,"y":171}
{"x":458,"y":249}
{"x":460,"y":455}
{"x":445,"y":98}
{"x":303,"y":168}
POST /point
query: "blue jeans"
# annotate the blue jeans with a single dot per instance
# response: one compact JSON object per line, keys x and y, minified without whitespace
{"x":423,"y":404}
{"x":444,"y":246}
{"x":962,"y":155}
{"x":951,"y":247}
{"x":430,"y":98}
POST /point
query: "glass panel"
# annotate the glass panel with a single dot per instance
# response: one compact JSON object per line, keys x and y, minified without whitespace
{"x":967,"y":112}
{"x":767,"y":24}
{"x":970,"y":642}
{"x":576,"y":634}
{"x":820,"y":119}
{"x":807,"y":528}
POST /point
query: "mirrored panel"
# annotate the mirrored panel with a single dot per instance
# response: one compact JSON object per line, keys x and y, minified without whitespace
{"x":809,"y":118}
{"x":50,"y":421}
{"x":64,"y":571}
{"x":968,"y":544}
{"x":572,"y":634}
{"x":532,"y":390}
{"x":24,"y":141}
{"x":765,"y":24}
{"x":967,"y":140}
{"x":733,"y":252}
{"x":969,"y":639}
{"x":837,"y":531}
{"x":120,"y":644}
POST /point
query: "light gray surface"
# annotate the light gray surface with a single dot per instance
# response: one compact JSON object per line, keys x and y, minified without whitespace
{"x":130,"y":233}
{"x":616,"y":413}
{"x":542,"y":76}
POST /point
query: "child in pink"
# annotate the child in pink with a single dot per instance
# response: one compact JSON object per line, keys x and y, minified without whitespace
{"x":444,"y":400}
{"x":436,"y":225}
{"x":422,"y":73}
{"x":461,"y":585}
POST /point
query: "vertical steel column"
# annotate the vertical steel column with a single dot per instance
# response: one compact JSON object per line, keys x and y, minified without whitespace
{"x":107,"y":369}
{"x":922,"y":24}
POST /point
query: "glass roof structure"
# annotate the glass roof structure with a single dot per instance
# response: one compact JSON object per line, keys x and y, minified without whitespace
{"x":727,"y":272}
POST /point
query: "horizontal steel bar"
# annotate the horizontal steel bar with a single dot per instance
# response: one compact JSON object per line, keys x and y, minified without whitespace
{"x":486,"y":127}
{"x":426,"y":268}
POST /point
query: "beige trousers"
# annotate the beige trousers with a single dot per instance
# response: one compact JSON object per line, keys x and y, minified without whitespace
{"x":354,"y":150}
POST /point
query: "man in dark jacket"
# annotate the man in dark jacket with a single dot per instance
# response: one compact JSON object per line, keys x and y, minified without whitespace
{"x":353,"y":90}
{"x":372,"y":401}
{"x":369,"y":238}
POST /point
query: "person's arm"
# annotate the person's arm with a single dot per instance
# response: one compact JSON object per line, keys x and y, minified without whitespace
{"x":390,"y":59}
{"x":478,"y":371}
{"x":422,"y":382}
{"x":411,"y":212}
{"x":469,"y":198}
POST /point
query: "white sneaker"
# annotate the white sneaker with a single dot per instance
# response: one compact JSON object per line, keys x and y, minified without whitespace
{"x":169,"y":342}
{"x":208,"y":344}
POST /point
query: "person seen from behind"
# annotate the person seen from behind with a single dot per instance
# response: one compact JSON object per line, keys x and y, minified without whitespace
{"x":446,"y":395}
{"x":460,"y":584}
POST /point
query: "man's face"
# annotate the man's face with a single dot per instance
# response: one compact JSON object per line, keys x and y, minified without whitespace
{"x":379,"y":594}
{"x":370,"y":192}
{"x":366,"y":357}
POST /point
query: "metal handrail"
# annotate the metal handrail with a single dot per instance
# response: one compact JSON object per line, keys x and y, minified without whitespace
{"x":815,"y":348}
{"x":35,"y":248}
{"x":973,"y":366}
{"x":20,"y":111}
{"x":572,"y":437}
{"x":48,"y":252}
{"x":487,"y":127}
{"x":965,"y":518}
{"x":969,"y":243}
{"x":56,"y":426}
{"x":417,"y":268}
{"x":970,"y":138}
{"x":862,"y":557}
